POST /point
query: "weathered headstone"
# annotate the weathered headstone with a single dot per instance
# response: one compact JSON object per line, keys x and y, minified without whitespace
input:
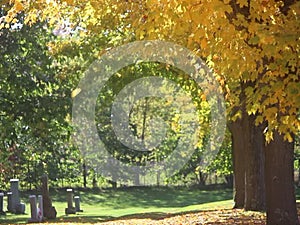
{"x":70,"y":209}
{"x":33,"y":209}
{"x":1,"y":204}
{"x":70,"y":198}
{"x":77,"y":204}
{"x":15,"y":198}
{"x":40,"y":212}
{"x":48,"y":209}
{"x":16,"y":205}
{"x":20,"y":208}
{"x":9,"y":202}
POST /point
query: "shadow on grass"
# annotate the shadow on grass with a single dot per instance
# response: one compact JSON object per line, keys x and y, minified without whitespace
{"x":154,"y":197}
{"x":146,"y":197}
{"x":98,"y":219}
{"x":149,"y":215}
{"x":95,"y":219}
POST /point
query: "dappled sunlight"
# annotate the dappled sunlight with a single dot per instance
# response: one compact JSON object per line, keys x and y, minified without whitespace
{"x":153,"y":203}
{"x":206,"y":217}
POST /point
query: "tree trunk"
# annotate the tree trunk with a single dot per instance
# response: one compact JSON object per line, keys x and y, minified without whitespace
{"x":201,"y":178}
{"x":280,"y":192}
{"x":137,"y":177}
{"x":248,"y":164}
{"x":95,"y":182}
{"x":238,"y":164}
{"x":255,"y":162}
{"x":84,"y":173}
{"x":298,"y":173}
{"x":157,"y":179}
{"x":113,"y":184}
{"x":229,"y":180}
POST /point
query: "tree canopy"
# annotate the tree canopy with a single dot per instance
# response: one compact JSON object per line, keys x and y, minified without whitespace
{"x":243,"y":41}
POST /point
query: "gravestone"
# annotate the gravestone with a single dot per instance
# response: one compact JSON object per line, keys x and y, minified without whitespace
{"x":1,"y":204}
{"x":15,"y":198}
{"x":48,"y":210}
{"x":16,"y":205}
{"x":20,"y":208}
{"x":77,"y":204}
{"x":70,"y":209}
{"x":33,"y":209}
{"x":36,"y":212}
{"x":40,"y":211}
{"x":9,"y":202}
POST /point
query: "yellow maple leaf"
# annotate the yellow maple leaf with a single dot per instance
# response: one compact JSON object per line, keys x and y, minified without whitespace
{"x":75,"y":92}
{"x":19,"y":6}
{"x":69,"y":2}
{"x":203,"y":43}
{"x":288,"y":137}
{"x":242,"y":3}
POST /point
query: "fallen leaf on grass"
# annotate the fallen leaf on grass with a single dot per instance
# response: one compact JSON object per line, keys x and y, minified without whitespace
{"x":213,"y":217}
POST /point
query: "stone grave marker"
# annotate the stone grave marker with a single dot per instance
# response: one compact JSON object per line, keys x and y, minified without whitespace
{"x":33,"y":209}
{"x":70,"y":209}
{"x":16,"y":205}
{"x":15,"y":198}
{"x":48,"y":210}
{"x":9,"y":201}
{"x":40,"y":211}
{"x":20,"y":208}
{"x":77,"y":204}
{"x":1,"y":204}
{"x":36,"y":212}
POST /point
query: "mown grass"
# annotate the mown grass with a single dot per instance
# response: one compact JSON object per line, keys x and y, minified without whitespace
{"x":109,"y":204}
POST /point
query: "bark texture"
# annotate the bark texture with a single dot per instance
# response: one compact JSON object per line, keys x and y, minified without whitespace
{"x":280,"y":191}
{"x":254,"y":165}
{"x":238,"y":164}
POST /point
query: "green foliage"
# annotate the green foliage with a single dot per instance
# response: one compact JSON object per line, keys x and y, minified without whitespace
{"x":221,"y":165}
{"x":34,"y":106}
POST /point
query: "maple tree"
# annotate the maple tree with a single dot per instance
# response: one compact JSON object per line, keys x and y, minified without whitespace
{"x":243,"y":41}
{"x":246,"y":42}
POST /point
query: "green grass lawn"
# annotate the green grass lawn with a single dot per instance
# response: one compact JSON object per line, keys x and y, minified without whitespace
{"x":109,"y":204}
